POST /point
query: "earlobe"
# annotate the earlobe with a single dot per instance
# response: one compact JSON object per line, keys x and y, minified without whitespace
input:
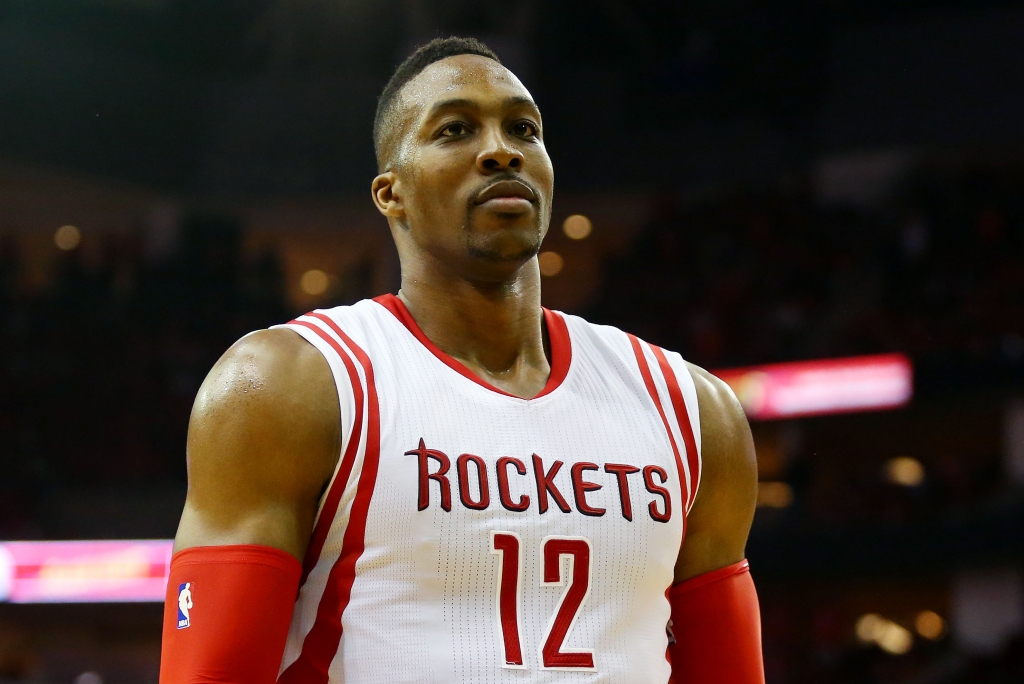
{"x":385,"y":191}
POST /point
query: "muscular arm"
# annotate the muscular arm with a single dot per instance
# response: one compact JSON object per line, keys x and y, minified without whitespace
{"x":716,"y":621}
{"x":719,"y":522}
{"x":263,"y":441}
{"x":262,"y":444}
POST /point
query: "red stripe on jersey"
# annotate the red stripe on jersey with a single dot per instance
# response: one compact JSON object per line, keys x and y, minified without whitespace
{"x":321,"y":643}
{"x":558,"y":335}
{"x":645,"y":371}
{"x":683,"y":418}
{"x":561,"y":350}
{"x":330,"y":508}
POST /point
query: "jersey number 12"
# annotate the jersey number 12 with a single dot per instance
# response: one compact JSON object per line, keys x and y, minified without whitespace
{"x":508,"y":546}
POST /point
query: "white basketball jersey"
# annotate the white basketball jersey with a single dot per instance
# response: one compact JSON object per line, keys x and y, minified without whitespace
{"x":473,"y":536}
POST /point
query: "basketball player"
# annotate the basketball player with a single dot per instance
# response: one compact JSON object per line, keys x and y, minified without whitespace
{"x":454,"y":484}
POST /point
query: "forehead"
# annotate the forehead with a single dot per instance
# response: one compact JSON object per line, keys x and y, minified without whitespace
{"x":469,"y":77}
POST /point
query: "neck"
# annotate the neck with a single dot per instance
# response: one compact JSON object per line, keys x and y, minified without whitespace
{"x":495,"y":329}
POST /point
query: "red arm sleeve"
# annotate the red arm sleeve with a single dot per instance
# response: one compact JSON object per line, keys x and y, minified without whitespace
{"x":716,"y":624}
{"x":227,"y":614}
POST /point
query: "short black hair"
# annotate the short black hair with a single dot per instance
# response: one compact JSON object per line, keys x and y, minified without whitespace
{"x":420,"y":59}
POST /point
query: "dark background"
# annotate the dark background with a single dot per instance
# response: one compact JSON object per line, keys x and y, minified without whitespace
{"x":767,"y":181}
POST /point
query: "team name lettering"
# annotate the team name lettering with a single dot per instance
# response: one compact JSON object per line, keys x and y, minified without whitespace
{"x":473,"y":482}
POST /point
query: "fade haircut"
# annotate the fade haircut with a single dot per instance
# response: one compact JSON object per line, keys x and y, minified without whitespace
{"x":386,"y":118}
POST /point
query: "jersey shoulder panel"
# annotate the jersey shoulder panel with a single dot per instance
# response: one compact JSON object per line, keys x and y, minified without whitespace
{"x":606,"y":339}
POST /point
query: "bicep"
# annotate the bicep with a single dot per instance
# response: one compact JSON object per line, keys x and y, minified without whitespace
{"x":263,"y":441}
{"x":719,"y":522}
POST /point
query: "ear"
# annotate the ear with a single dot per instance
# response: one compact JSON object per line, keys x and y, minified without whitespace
{"x":385,"y":191}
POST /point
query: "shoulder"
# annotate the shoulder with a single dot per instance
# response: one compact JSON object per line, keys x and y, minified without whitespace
{"x":266,"y":367}
{"x":729,"y":461}
{"x":263,"y":441}
{"x":722,"y":420}
{"x":270,"y":398}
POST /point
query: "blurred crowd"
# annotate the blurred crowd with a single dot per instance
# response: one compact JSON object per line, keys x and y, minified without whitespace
{"x":100,"y":369}
{"x":758,"y":276}
{"x":936,"y":271}
{"x":829,"y":657}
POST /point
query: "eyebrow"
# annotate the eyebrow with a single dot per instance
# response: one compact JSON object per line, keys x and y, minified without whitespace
{"x":456,"y":103}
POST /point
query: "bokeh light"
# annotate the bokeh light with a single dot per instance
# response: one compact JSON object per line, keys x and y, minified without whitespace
{"x":886,"y":634}
{"x":551,"y":263}
{"x":577,"y":227}
{"x":314,"y":282}
{"x":930,"y":625}
{"x":89,"y":678}
{"x":905,"y":471}
{"x":868,"y":626}
{"x":774,"y":495}
{"x":67,"y":238}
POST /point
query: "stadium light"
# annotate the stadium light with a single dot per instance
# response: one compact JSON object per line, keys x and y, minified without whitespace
{"x":84,"y":571}
{"x":808,"y":388}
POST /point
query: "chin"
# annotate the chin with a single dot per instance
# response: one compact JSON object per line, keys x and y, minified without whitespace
{"x":507,"y":247}
{"x":505,"y":237}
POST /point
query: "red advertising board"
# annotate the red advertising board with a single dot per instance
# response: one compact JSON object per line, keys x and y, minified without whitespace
{"x":807,"y":388}
{"x":84,"y":571}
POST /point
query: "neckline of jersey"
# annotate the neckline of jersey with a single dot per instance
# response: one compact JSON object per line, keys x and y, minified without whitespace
{"x":558,"y":335}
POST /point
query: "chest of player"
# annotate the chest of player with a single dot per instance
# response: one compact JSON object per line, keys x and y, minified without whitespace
{"x":592,"y":451}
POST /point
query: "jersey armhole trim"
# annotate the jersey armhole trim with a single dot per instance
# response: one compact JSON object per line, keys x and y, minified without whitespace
{"x":652,"y":390}
{"x":693,"y":460}
{"x":336,"y":488}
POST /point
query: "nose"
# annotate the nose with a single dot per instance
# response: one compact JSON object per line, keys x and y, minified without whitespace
{"x":497,"y":154}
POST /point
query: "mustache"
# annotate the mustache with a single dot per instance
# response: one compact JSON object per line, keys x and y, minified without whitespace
{"x":502,"y":177}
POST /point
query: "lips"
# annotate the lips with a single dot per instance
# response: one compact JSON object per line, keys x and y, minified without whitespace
{"x":506,"y":189}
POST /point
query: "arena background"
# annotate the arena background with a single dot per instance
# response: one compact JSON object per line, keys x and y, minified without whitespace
{"x":761,"y":181}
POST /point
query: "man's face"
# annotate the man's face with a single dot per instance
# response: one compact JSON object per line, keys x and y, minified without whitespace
{"x":472,"y":178}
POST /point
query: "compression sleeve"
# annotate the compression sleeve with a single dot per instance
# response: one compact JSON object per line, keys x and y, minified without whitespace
{"x":226,"y":615}
{"x":716,"y":628}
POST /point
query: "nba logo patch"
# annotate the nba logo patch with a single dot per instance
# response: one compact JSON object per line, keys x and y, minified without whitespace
{"x":184,"y":604}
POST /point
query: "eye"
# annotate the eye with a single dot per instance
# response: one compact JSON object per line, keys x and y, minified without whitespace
{"x":455,"y":129}
{"x":525,"y":129}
